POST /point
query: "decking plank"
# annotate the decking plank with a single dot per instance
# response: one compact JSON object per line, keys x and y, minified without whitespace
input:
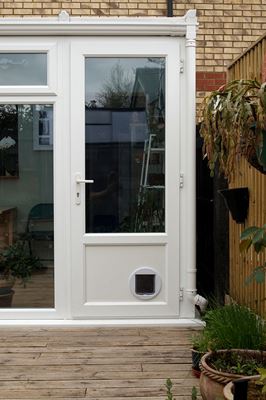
{"x":95,"y":363}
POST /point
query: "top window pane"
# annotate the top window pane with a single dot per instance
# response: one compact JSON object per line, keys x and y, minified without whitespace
{"x":17,"y":69}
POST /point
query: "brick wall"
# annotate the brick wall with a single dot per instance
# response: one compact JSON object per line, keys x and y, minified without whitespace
{"x":226,"y":27}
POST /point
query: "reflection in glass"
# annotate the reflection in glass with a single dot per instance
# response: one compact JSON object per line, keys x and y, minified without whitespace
{"x":26,"y":209}
{"x":23,"y":69}
{"x":125,"y":144}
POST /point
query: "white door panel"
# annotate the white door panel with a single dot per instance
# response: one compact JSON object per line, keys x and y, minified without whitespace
{"x":118,"y":228}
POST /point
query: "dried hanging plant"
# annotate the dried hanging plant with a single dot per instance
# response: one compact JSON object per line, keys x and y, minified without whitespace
{"x":234,"y":125}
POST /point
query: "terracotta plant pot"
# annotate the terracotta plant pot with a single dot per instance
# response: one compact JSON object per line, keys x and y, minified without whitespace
{"x":228,"y":391}
{"x":212,"y":382}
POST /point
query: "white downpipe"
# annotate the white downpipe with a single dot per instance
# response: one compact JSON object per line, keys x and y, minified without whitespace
{"x":188,"y":166}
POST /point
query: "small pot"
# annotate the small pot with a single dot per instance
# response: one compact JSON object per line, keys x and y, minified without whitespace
{"x":196,"y":357}
{"x":253,"y":390}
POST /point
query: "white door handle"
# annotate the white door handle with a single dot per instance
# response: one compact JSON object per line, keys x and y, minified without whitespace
{"x":78,"y":182}
{"x":85,"y":181}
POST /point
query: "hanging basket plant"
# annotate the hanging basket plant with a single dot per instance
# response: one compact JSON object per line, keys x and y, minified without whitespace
{"x":234,"y":125}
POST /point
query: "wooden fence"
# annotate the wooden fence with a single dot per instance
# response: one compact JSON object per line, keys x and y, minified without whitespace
{"x":249,"y":65}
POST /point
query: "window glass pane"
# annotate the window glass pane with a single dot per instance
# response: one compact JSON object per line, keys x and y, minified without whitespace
{"x":23,"y":69}
{"x":125,"y":144}
{"x":26,"y":207}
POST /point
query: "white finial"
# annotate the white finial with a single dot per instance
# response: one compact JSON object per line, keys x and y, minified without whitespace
{"x":63,"y":16}
{"x":191,"y":15}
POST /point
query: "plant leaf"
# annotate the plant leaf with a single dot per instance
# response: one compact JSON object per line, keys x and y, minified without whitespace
{"x":245,"y":245}
{"x":262,"y":372}
{"x":248,"y":232}
{"x":258,"y":236}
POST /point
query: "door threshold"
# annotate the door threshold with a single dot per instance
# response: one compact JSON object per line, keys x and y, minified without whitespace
{"x":123,"y":323}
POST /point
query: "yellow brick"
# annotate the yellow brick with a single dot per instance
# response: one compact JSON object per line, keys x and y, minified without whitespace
{"x":213,"y":12}
{"x":77,"y":12}
{"x":119,"y":12}
{"x":32,"y":5}
{"x":156,"y":13}
{"x":206,"y":7}
{"x":23,"y":12}
{"x":161,"y":6}
{"x":42,"y":11}
{"x":178,"y":6}
{"x":12,"y":5}
{"x":223,"y":6}
{"x":242,"y":7}
{"x":6,"y":11}
{"x":138,"y":13}
{"x":233,"y":13}
{"x":68,"y":5}
{"x":143,"y":6}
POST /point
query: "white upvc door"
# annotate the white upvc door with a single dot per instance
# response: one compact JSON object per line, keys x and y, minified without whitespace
{"x":125,"y":140}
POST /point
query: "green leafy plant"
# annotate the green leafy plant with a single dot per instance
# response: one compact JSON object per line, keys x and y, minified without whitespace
{"x":255,"y":237}
{"x":194,"y":393}
{"x":200,"y":341}
{"x":234,"y":327}
{"x":169,"y":386}
{"x":262,"y":380}
{"x":234,"y":125}
{"x":16,"y":263}
{"x":234,"y":363}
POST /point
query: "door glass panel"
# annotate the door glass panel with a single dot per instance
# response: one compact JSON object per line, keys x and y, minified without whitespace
{"x":23,"y":69}
{"x":125,"y":144}
{"x":26,"y":206}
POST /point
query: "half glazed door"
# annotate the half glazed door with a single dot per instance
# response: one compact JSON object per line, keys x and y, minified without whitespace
{"x":125,"y":170}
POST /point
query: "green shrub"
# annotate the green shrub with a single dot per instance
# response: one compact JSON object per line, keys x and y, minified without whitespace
{"x":234,"y":327}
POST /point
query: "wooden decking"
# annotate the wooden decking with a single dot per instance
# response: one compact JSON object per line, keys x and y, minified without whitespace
{"x":94,"y":363}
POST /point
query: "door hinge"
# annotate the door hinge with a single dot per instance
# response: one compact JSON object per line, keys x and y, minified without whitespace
{"x":181,"y":65}
{"x":181,"y":294}
{"x":181,"y":180}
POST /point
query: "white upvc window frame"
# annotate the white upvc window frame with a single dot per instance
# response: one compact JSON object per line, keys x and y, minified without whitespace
{"x":32,"y":45}
{"x":41,"y":95}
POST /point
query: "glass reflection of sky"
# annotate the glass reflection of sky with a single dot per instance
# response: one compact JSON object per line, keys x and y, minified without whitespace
{"x":23,"y":69}
{"x":98,"y":71}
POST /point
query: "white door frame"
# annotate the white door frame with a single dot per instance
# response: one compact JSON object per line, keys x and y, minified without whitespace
{"x":64,"y":26}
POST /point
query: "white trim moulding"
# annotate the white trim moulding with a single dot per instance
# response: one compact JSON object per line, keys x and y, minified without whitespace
{"x":64,"y":25}
{"x":179,"y":323}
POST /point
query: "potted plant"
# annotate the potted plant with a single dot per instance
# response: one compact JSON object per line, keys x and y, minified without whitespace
{"x":224,"y":366}
{"x":237,"y":340}
{"x":233,"y":125}
{"x":200,"y":342}
{"x":15,"y":264}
